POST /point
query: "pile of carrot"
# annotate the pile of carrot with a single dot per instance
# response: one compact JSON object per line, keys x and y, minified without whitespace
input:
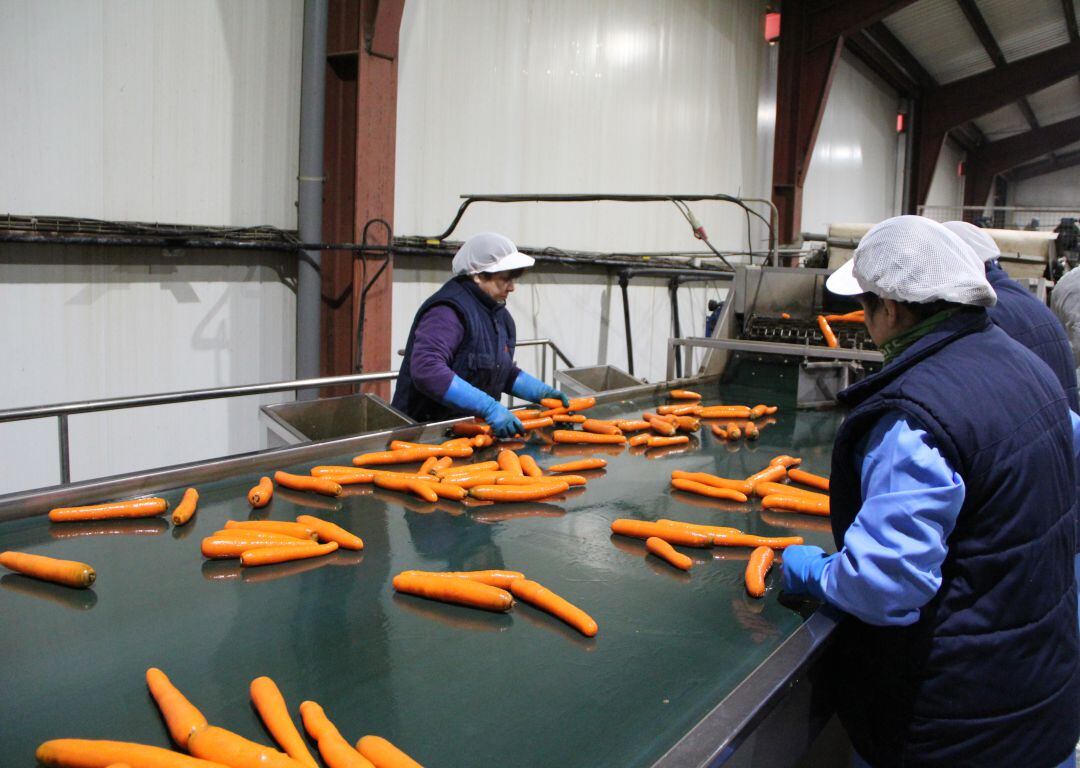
{"x":268,"y":542}
{"x":766,"y":484}
{"x":210,"y":745}
{"x":492,"y":591}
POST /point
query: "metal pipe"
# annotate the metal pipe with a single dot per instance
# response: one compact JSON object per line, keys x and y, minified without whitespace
{"x":176,"y":242}
{"x":624,"y":283}
{"x":65,"y":453}
{"x":310,"y":191}
{"x":673,"y":293}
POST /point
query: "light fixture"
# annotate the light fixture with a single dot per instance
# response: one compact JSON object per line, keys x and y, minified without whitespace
{"x":772,"y":27}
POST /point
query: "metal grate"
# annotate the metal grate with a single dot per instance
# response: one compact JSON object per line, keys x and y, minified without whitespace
{"x":797,"y":330}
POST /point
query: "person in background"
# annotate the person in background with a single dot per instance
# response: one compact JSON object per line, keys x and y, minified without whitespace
{"x":460,"y":355}
{"x":1020,"y":314}
{"x":953,"y":498}
{"x":1065,"y":304}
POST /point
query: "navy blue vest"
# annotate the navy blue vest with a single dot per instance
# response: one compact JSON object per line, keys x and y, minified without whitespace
{"x":484,"y":358}
{"x":1031,"y":322}
{"x":989,"y":675}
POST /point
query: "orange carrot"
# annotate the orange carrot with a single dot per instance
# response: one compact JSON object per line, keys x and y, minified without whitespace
{"x":687,"y":424}
{"x":328,"y":531}
{"x":295,"y":530}
{"x":442,"y":463}
{"x":733,"y":431}
{"x":474,"y":478}
{"x":401,"y":482}
{"x":806,"y":478}
{"x":683,"y":394}
{"x":344,"y":475}
{"x":551,"y":403}
{"x":770,"y":474}
{"x":643,"y":529}
{"x":796,"y":503}
{"x":600,"y":427}
{"x":284,"y":554}
{"x":410,"y":455}
{"x":678,"y":410}
{"x":222,"y":746}
{"x":181,"y":717}
{"x":785,"y":316}
{"x":725,"y":412}
{"x":337,"y":752}
{"x":567,"y":418}
{"x":186,"y":508}
{"x":660,"y":425}
{"x":571,"y":480}
{"x":532,"y":492}
{"x":720,"y":482}
{"x":270,"y":705}
{"x":482,"y":441}
{"x":482,"y":466}
{"x":712,"y":491}
{"x":530,"y":467}
{"x":92,"y":753}
{"x":218,"y":546}
{"x":719,"y":432}
{"x":747,"y":540}
{"x":134,"y":508}
{"x":633,"y":426}
{"x":67,"y":572}
{"x":447,"y":490}
{"x":535,"y":594}
{"x":708,"y":530}
{"x":383,"y":754}
{"x":526,"y":413}
{"x":581,"y":403}
{"x":305,"y":483}
{"x":500,"y":579}
{"x":429,"y":465}
{"x":509,"y":462}
{"x":827,"y":332}
{"x":423,"y":490}
{"x":470,"y":429}
{"x":641,"y":439}
{"x":752,"y":432}
{"x":785,"y":461}
{"x":758,"y":411}
{"x":537,"y":423}
{"x":252,"y":534}
{"x":658,"y":442}
{"x":666,"y":552}
{"x":578,"y":466}
{"x":769,"y":489}
{"x":573,"y":436}
{"x":757,"y":567}
{"x":461,"y":591}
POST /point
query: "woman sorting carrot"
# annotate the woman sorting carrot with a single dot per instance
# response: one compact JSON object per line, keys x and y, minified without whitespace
{"x":460,"y":355}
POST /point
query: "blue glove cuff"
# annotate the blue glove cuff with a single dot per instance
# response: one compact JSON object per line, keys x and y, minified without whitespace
{"x":526,"y":387}
{"x":803,"y":569}
{"x":465,"y":397}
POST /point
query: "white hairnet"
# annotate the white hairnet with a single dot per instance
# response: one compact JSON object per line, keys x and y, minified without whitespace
{"x":978,"y":239}
{"x":914,"y":259}
{"x":1065,"y":303}
{"x":489,"y":252}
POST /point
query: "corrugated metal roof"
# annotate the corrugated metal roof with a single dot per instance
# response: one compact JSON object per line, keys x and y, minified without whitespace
{"x":1058,"y":102}
{"x":1002,"y":123}
{"x":1025,"y":28}
{"x":938,"y":34}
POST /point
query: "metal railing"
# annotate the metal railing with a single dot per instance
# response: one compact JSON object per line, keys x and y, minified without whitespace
{"x":61,"y":411}
{"x":1031,"y":218}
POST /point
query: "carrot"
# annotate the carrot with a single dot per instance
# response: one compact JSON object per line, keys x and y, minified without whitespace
{"x":344,"y":475}
{"x":316,"y":723}
{"x":573,"y":436}
{"x":567,"y":418}
{"x":393,"y":481}
{"x":532,"y":492}
{"x":94,"y":753}
{"x":770,"y":410}
{"x":785,"y":316}
{"x":758,"y":411}
{"x":641,"y":439}
{"x":632,"y":426}
{"x":470,"y":429}
{"x":181,"y":717}
{"x":757,"y":567}
{"x":218,"y":547}
{"x":474,"y":478}
{"x":643,"y":529}
{"x":535,"y":594}
{"x":526,"y":413}
{"x":553,"y":412}
{"x":337,"y":752}
{"x":482,"y":441}
{"x":67,"y":572}
{"x":658,"y":442}
{"x":806,"y":478}
{"x":827,"y":332}
{"x":537,"y":423}
{"x":446,"y":490}
{"x":461,"y":591}
{"x":304,"y":483}
{"x":678,"y":410}
{"x":712,"y":491}
{"x":796,"y":503}
{"x":530,"y":467}
{"x":666,"y":552}
{"x":284,"y":554}
{"x":683,"y":394}
{"x":785,"y":461}
{"x":410,"y":455}
{"x":708,"y":530}
{"x":500,"y":579}
{"x":747,"y":540}
{"x":687,"y":424}
{"x":222,"y":746}
{"x":442,"y":463}
{"x":328,"y":531}
{"x":422,"y":489}
{"x":482,"y":466}
{"x":383,"y":754}
{"x":571,"y":480}
{"x":770,"y":474}
{"x":752,"y":432}
{"x":551,"y":403}
{"x":581,"y":403}
{"x":720,"y":482}
{"x":660,"y":425}
{"x":251,"y":534}
{"x":509,"y":462}
{"x":600,"y":427}
{"x":725,"y":412}
{"x":270,"y":705}
{"x":186,"y":508}
{"x":719,"y":432}
{"x":405,"y":445}
{"x":858,"y":316}
{"x":764,"y":489}
{"x":733,"y":431}
{"x":295,"y":530}
{"x":134,"y":508}
{"x":578,"y":466}
{"x":428,"y":467}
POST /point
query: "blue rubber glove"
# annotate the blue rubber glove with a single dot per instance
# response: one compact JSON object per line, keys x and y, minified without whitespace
{"x":803,"y":566}
{"x":530,"y":388}
{"x":464,"y":396}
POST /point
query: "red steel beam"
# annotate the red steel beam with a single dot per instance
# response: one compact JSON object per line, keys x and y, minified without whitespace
{"x":828,"y":21}
{"x":1043,"y":167}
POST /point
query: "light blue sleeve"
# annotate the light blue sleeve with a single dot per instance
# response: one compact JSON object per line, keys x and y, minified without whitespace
{"x":1076,"y":439}
{"x":890,"y":564}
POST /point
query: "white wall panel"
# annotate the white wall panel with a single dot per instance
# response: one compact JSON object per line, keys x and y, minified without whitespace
{"x":947,"y":186}
{"x":182,"y":112}
{"x":1058,"y":189}
{"x":852,"y":175}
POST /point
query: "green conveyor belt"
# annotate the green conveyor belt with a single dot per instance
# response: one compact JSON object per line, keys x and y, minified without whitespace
{"x":450,"y":685}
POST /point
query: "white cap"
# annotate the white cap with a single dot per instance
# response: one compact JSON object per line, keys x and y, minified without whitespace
{"x":979,"y":239}
{"x":489,"y":252}
{"x":914,"y":259}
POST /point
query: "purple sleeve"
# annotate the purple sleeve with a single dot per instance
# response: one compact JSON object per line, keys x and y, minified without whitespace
{"x":511,"y":378}
{"x":438,"y":335}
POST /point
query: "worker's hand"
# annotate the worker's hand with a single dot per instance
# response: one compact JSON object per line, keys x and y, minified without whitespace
{"x":803,"y":566}
{"x":465,"y":397}
{"x":530,"y":388}
{"x":502,"y":422}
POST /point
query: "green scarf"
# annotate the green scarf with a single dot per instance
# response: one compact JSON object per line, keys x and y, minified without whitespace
{"x":901,"y":341}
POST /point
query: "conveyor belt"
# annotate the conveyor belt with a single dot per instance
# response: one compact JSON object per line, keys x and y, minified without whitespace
{"x":799,"y":330}
{"x":452,"y":686}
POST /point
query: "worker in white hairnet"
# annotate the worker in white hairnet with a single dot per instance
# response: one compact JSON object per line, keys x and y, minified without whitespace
{"x":460,"y":355}
{"x":1020,"y":314}
{"x":1065,"y":304}
{"x":953,"y":500}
